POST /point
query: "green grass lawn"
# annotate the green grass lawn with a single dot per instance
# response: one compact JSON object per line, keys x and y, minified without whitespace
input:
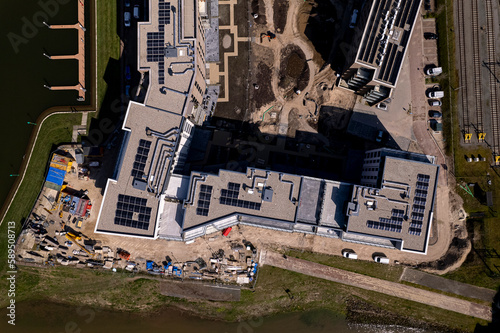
{"x":108,"y":42}
{"x":278,"y":291}
{"x":56,"y":129}
{"x":485,"y":229}
{"x":386,"y":272}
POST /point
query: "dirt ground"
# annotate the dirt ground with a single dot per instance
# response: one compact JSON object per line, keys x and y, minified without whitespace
{"x":284,"y":64}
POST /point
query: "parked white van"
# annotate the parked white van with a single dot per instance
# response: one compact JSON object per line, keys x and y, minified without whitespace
{"x":435,"y":94}
{"x":350,"y":254}
{"x":382,"y":260}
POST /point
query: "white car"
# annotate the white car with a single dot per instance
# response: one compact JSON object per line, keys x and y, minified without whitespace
{"x":126,"y":17}
{"x":434,"y":71}
{"x":435,"y":94}
{"x":382,"y":260}
{"x":350,"y":254}
{"x":435,"y":102}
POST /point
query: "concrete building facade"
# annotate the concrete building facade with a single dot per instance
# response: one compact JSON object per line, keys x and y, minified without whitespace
{"x":382,"y":36}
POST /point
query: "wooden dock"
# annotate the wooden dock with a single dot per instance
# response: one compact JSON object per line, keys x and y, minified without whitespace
{"x":80,"y":56}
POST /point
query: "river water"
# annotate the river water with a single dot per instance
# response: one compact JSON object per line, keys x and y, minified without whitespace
{"x":25,"y":71}
{"x":48,"y":317}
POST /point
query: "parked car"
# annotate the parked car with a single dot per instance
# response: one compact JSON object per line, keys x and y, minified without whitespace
{"x":128,"y":74}
{"x":430,"y":35}
{"x":380,"y":136}
{"x":435,"y":125}
{"x":136,"y":11}
{"x":435,"y":114}
{"x":127,"y":3}
{"x":435,"y":94}
{"x":350,"y":254}
{"x":382,"y":260}
{"x":435,"y":102}
{"x":126,"y":17}
{"x":354,"y":18}
{"x":127,"y":90}
{"x":434,"y":71}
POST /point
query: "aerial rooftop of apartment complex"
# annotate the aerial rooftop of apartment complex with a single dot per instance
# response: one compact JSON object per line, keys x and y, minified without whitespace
{"x":148,"y":196}
{"x":384,"y":32}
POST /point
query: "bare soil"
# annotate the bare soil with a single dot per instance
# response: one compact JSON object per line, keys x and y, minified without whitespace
{"x":259,"y":8}
{"x":280,"y":15}
{"x":294,"y":71}
{"x":264,"y":94}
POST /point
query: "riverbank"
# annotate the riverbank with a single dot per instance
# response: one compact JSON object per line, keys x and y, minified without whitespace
{"x":42,"y":139}
{"x":277,"y":292}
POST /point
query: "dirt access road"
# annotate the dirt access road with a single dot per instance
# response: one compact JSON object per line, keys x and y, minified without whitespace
{"x":374,"y":284}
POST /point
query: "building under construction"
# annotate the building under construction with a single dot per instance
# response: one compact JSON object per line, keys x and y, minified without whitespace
{"x":380,"y":42}
{"x":149,"y":197}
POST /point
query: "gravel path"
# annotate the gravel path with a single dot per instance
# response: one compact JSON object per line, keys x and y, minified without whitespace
{"x":378,"y":285}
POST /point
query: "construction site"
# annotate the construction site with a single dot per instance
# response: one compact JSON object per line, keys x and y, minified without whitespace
{"x":287,"y":81}
{"x":60,"y":231}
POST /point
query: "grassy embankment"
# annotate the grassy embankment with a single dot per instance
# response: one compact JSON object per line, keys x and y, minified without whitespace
{"x":117,"y":291}
{"x":474,"y":270}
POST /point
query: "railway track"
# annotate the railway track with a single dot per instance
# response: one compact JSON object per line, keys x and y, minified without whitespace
{"x":492,"y":63}
{"x":477,"y":68}
{"x":463,"y":68}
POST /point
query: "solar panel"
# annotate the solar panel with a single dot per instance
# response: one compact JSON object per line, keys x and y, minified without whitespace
{"x":229,"y":197}
{"x":204,"y":197}
{"x":398,"y":213}
{"x":163,"y":13}
{"x":421,"y":193}
{"x":417,"y":216}
{"x":385,"y":224}
{"x":422,"y":186}
{"x":140,"y":158}
{"x":128,"y":206}
{"x":415,"y":231}
{"x":419,"y":201}
{"x":155,"y":46}
{"x":423,"y":178}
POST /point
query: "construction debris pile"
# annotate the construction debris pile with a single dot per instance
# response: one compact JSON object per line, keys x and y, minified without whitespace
{"x":45,"y":243}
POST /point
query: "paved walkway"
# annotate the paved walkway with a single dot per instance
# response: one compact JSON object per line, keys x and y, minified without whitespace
{"x":382,"y":286}
{"x":450,"y":286}
{"x":215,"y":72}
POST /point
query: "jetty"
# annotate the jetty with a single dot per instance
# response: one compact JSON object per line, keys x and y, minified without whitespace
{"x":80,"y":56}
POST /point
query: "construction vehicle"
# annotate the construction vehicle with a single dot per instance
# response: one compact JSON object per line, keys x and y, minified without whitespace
{"x":268,"y":34}
{"x":73,"y":238}
{"x":123,"y":254}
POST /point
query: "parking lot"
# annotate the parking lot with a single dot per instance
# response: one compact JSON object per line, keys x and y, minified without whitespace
{"x":133,"y":11}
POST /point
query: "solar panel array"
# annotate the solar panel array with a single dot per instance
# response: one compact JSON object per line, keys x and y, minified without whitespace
{"x":128,"y":206}
{"x":140,"y":158}
{"x":155,"y":46}
{"x":163,"y":12}
{"x":161,"y":72}
{"x":229,"y":197}
{"x":204,"y":200}
{"x":418,"y":208}
{"x":385,"y":224}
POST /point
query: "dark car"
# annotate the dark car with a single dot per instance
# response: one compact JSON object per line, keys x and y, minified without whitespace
{"x":128,"y":75}
{"x":434,"y":114}
{"x":430,"y":35}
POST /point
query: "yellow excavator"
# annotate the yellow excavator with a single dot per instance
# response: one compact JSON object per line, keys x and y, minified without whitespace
{"x":75,"y":239}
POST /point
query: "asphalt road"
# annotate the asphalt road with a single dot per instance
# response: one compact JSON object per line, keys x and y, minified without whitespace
{"x":382,"y":286}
